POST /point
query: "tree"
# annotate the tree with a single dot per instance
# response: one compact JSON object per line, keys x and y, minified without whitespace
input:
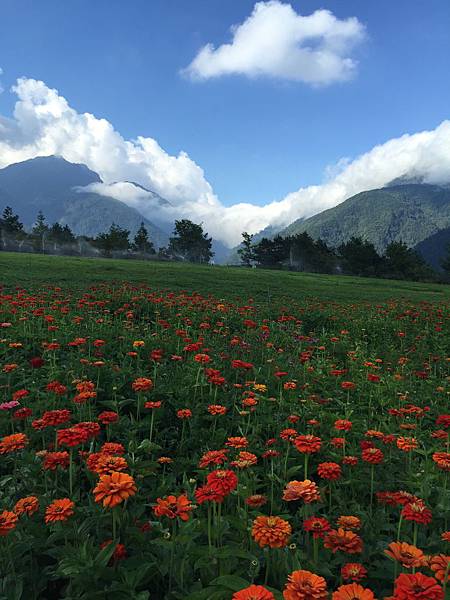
{"x":61,"y":235}
{"x":40,"y":231}
{"x":141,"y":243}
{"x":11,"y":229}
{"x":405,"y":263}
{"x":246,"y":251}
{"x":445,"y":263}
{"x":272,"y":253}
{"x":10,"y":221}
{"x":115,"y":239}
{"x":360,"y":257}
{"x":190,"y":243}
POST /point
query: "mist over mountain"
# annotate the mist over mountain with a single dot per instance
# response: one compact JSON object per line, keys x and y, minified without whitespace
{"x":62,"y":191}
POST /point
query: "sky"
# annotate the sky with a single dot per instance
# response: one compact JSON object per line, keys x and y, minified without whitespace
{"x":270,"y":110}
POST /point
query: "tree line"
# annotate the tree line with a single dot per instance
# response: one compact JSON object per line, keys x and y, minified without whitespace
{"x":355,"y":257}
{"x":188,"y":243}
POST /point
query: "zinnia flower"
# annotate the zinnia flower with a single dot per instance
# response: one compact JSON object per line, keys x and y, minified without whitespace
{"x":271,"y":531}
{"x":173,"y":507}
{"x":254,"y":592}
{"x":304,"y":585}
{"x":26,"y":506}
{"x":318,"y":526}
{"x":114,"y":488}
{"x":406,"y":554}
{"x":8,"y":521}
{"x":142,"y":384}
{"x":329,"y":470}
{"x":345,"y":541}
{"x":353,"y":572}
{"x":418,"y":512}
{"x":349,"y":522}
{"x":307,"y":444}
{"x":222,"y":481}
{"x":352,"y":591}
{"x":12,"y":443}
{"x":305,"y":490}
{"x":439,"y":564}
{"x":59,"y":510}
{"x":417,"y":587}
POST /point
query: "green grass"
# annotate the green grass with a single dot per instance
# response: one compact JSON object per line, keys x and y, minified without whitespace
{"x":31,"y":270}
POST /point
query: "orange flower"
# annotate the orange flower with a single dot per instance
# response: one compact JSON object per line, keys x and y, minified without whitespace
{"x":173,"y":507}
{"x":244,"y":459}
{"x":28,"y":506}
{"x":114,"y":488}
{"x":442,"y":460}
{"x":439,"y":564}
{"x":142,"y":384}
{"x":106,"y":464}
{"x":352,"y":591}
{"x":59,"y":510}
{"x":343,"y":540}
{"x":308,"y":444}
{"x":8,"y":521}
{"x":445,"y":537}
{"x":237,"y":442}
{"x":271,"y":531}
{"x":305,"y":490}
{"x":11,"y":443}
{"x":406,"y":554}
{"x":304,"y":585}
{"x":407,"y":444}
{"x":253,"y":592}
{"x":350,"y":522}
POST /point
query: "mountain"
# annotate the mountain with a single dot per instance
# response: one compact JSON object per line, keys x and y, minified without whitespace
{"x":435,"y":247}
{"x":54,"y":186}
{"x":409,"y":212}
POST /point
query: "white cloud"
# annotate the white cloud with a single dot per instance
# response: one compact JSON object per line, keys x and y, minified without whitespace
{"x":45,"y":124}
{"x":275,"y":41}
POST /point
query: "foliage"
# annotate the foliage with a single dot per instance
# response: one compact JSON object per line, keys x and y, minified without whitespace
{"x":115,"y":239}
{"x":141,"y":242}
{"x":190,"y":243}
{"x":182,"y":373}
{"x":246,"y":251}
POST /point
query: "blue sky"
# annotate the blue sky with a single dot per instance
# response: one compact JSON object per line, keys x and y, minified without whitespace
{"x":256,"y":139}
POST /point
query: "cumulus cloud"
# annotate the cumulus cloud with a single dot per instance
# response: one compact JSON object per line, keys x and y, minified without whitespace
{"x":275,"y":41}
{"x":44,"y":124}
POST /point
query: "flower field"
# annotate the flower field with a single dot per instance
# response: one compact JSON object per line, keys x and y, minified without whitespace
{"x":172,"y":445}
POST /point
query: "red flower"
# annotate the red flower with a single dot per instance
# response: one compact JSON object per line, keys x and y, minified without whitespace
{"x":222,"y":481}
{"x":418,"y":512}
{"x":417,"y":587}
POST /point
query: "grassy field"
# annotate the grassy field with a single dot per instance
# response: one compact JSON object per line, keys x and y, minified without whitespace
{"x":223,"y":282}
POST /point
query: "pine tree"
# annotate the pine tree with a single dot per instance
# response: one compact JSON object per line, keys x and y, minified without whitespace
{"x":141,"y":243}
{"x":40,"y":231}
{"x":10,"y":221}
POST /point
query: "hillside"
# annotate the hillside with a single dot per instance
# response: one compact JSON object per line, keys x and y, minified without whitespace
{"x":52,"y":184}
{"x":435,"y":247}
{"x":410,"y":213}
{"x":266,"y":287}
